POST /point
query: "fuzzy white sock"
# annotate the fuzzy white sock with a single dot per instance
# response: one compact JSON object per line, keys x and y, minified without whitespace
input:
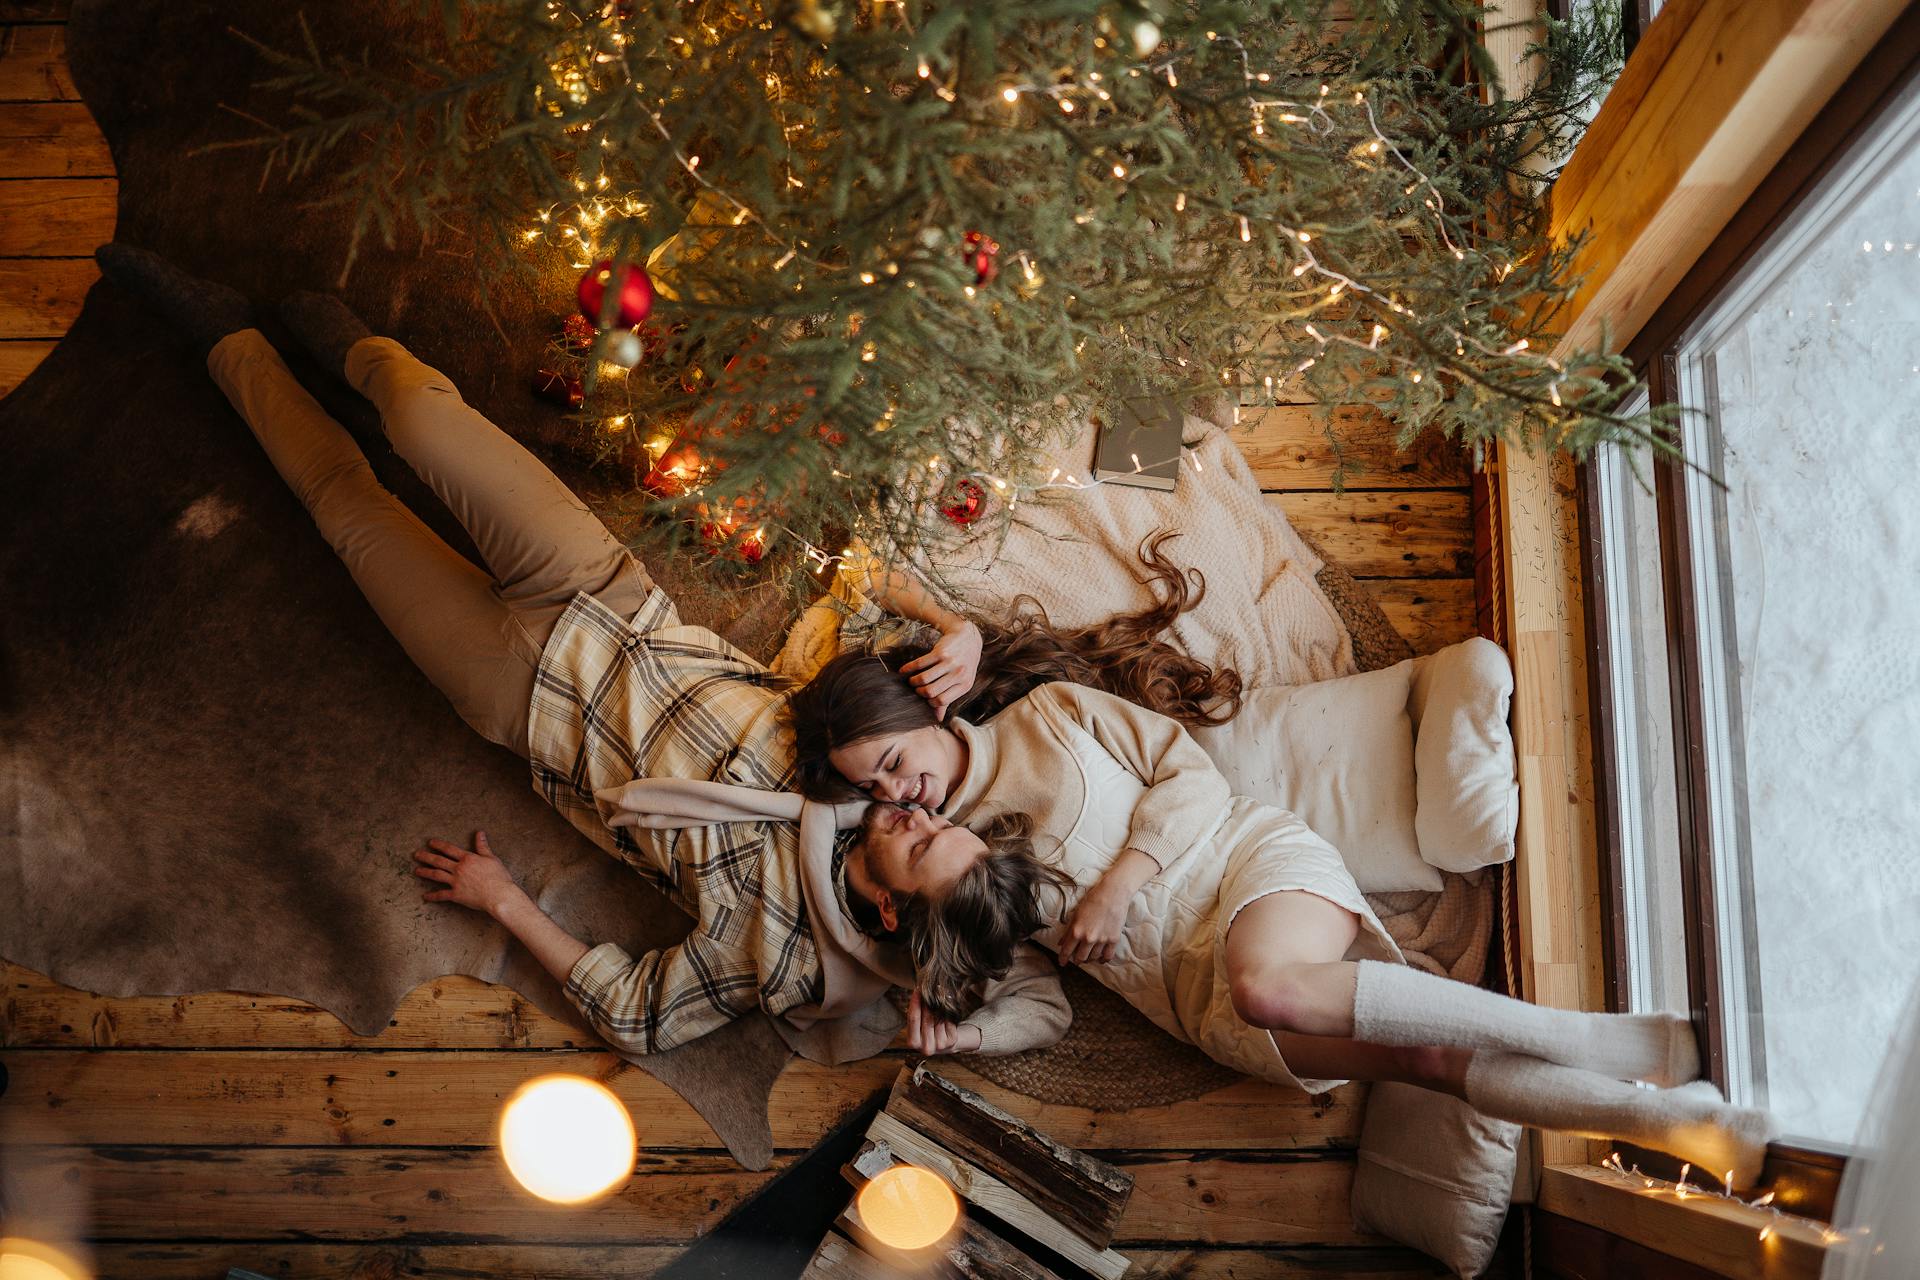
{"x":1692,"y":1122}
{"x":1397,"y":1004}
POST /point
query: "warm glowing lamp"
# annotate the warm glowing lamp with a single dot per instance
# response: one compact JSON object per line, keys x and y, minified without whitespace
{"x":566,"y":1139}
{"x":908,"y":1207}
{"x":22,"y":1259}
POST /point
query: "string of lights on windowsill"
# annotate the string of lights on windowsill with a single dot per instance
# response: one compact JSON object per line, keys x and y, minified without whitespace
{"x":1684,"y":1189}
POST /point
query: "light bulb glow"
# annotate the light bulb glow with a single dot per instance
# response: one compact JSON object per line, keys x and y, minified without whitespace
{"x":567,"y":1138}
{"x":909,"y":1208}
{"x":23,"y":1259}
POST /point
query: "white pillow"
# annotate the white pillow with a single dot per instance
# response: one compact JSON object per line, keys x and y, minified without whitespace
{"x":1468,"y":796}
{"x":1435,"y":1174}
{"x":1340,"y":754}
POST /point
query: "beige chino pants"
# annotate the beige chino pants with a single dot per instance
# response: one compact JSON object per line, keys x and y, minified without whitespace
{"x":477,"y":635}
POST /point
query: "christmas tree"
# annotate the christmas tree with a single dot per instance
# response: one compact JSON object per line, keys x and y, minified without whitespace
{"x":900,"y":246}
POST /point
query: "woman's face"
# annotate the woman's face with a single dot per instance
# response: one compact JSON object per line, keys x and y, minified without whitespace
{"x":918,"y":766}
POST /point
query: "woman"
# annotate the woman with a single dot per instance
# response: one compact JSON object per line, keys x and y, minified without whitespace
{"x":1225,"y":920}
{"x":563,"y":651}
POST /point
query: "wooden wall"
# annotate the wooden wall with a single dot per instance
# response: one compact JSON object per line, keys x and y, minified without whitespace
{"x":214,"y":1130}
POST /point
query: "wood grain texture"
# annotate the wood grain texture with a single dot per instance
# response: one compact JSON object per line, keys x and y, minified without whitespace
{"x":51,"y":140}
{"x":39,"y":298}
{"x":18,"y":359}
{"x":1294,"y":446}
{"x":380,"y":1099}
{"x":1388,"y":534}
{"x":1717,"y":1234}
{"x":33,"y":65}
{"x":1706,"y":107}
{"x":56,"y":217}
{"x":1431,"y":613}
{"x":978,"y":1187}
{"x":970,"y":1251}
{"x":1557,"y":873}
{"x":1083,"y":1191}
{"x":358,"y":1194}
{"x":839,"y":1258}
{"x":167,"y":1260}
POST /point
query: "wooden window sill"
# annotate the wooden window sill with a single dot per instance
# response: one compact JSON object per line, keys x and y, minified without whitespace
{"x":1707,"y":1230}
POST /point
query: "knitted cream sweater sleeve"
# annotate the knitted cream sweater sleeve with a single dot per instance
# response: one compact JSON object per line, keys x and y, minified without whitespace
{"x":1186,"y":793}
{"x":1026,"y":1009}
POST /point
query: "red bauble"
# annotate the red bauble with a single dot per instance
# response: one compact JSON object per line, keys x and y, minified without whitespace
{"x":968,"y":502}
{"x":982,"y":254}
{"x":633,"y":293}
{"x":562,"y":389}
{"x":576,"y":333}
{"x":724,"y":538}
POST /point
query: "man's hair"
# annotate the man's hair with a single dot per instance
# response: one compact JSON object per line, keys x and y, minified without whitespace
{"x":858,"y":696}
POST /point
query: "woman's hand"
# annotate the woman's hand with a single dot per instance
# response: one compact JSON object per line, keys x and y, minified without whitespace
{"x":946,"y":672}
{"x":474,"y":877}
{"x":928,"y":1034}
{"x":1093,"y":930}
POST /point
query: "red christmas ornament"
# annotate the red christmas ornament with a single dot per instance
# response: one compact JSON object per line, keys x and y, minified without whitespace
{"x":725,"y":535}
{"x":562,"y":389}
{"x":969,"y":500}
{"x":633,"y":293}
{"x":982,"y":254}
{"x":576,"y":333}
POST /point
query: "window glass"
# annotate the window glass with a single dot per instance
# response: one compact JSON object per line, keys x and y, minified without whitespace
{"x":1807,"y":597}
{"x":1643,"y":760}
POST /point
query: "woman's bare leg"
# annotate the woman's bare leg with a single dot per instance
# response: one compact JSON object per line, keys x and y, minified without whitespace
{"x":1284,"y":964}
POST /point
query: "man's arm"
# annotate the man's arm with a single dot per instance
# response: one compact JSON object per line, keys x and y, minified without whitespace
{"x":648,"y":1005}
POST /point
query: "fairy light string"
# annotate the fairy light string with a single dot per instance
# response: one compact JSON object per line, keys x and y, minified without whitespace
{"x":1685,"y":1189}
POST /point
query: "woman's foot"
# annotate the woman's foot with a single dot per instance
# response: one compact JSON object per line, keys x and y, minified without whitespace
{"x":325,"y":326}
{"x":204,"y":311}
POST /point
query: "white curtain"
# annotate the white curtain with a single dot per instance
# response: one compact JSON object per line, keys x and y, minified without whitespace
{"x":1876,"y":1205}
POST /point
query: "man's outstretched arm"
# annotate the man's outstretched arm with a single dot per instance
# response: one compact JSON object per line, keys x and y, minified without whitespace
{"x":646,"y":1005}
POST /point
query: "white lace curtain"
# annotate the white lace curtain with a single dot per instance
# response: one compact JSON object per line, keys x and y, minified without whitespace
{"x":1879,"y":1196}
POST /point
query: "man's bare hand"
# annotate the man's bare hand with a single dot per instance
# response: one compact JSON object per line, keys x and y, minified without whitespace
{"x":473,"y":877}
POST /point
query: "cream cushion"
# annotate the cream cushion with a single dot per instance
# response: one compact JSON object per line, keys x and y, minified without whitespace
{"x":1340,"y":754}
{"x":1435,"y":1174}
{"x":1468,"y":797}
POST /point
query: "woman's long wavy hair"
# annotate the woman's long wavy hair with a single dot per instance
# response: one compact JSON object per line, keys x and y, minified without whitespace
{"x":857,"y":696}
{"x":964,"y":939}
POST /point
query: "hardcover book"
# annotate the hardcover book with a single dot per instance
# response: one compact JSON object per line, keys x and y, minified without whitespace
{"x":1140,"y":441}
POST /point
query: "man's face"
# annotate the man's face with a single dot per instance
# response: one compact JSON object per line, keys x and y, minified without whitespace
{"x":906,"y":851}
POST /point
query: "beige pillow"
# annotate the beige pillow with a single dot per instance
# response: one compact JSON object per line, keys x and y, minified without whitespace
{"x":1340,"y":754}
{"x":1469,"y":797}
{"x":1435,"y":1174}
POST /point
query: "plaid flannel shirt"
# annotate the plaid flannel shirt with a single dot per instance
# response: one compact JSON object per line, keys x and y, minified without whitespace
{"x":616,"y":700}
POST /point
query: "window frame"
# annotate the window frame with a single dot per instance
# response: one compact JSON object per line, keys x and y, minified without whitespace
{"x":1804,"y":1178}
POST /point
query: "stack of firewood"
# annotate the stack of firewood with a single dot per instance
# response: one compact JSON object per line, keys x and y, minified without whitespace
{"x":1031,"y":1208}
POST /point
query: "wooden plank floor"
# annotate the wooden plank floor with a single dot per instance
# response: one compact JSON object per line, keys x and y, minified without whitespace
{"x":217,"y":1130}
